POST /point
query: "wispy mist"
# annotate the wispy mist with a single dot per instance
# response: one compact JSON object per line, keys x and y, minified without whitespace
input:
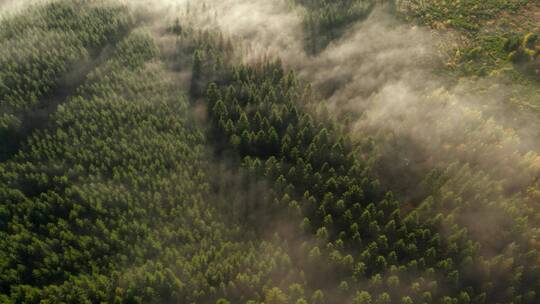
{"x":382,"y":73}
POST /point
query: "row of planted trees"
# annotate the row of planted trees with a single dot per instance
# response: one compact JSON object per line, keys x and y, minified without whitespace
{"x":264,"y":115}
{"x":44,"y":51}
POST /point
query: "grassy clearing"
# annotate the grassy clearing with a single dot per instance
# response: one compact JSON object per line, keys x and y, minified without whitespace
{"x":494,"y":39}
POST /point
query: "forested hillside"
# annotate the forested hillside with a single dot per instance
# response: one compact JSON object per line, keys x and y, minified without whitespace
{"x":165,"y":152}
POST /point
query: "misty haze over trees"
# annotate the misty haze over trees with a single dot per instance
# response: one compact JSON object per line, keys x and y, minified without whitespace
{"x":258,"y":151}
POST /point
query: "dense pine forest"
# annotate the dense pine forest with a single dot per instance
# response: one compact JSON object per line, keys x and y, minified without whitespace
{"x":284,"y":151}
